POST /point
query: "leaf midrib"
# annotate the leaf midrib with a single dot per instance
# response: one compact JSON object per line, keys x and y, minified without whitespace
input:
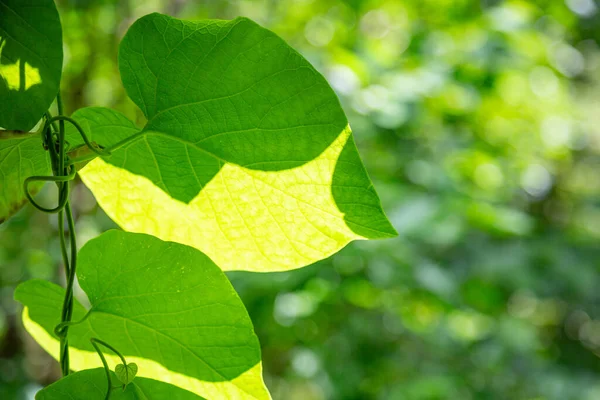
{"x":135,"y":138}
{"x":141,"y":135}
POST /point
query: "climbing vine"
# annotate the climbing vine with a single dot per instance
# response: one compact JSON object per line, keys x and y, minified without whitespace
{"x":53,"y":140}
{"x":246,"y":162}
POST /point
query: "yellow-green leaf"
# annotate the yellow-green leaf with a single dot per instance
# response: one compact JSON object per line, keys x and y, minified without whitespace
{"x":247,"y":154}
{"x":21,"y":156}
{"x":91,"y":385}
{"x":164,"y":306}
{"x":126,"y":373}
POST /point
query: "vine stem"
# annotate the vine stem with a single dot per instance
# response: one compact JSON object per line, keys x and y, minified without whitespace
{"x":90,"y":145}
{"x":67,"y":309}
{"x":53,"y":139}
{"x":106,"y":151}
{"x":95,"y":342}
{"x":70,"y":267}
{"x":105,"y":364}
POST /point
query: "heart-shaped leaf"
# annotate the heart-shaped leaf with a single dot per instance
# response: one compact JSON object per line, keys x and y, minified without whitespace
{"x":91,"y":385}
{"x":247,"y":154}
{"x":165,"y":306}
{"x":126,"y":373}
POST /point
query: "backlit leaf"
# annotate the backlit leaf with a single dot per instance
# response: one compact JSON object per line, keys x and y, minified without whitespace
{"x":247,"y":154}
{"x":126,"y":373}
{"x":91,"y":385}
{"x":21,"y":156}
{"x":164,"y":306}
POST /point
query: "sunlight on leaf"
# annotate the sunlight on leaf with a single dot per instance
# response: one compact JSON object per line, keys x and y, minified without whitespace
{"x":243,"y":219}
{"x":21,"y":156}
{"x":11,"y":73}
{"x":247,"y":154}
{"x":166,"y":307}
{"x":31,"y":57}
{"x":91,"y":385}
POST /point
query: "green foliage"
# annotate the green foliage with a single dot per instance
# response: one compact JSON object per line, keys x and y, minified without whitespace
{"x":89,"y":385}
{"x":243,"y":136}
{"x":126,"y":373}
{"x":222,"y":92}
{"x":234,"y":114}
{"x":31,"y":57}
{"x":164,"y":305}
{"x":102,"y":126}
{"x":479,"y":126}
{"x":21,"y":156}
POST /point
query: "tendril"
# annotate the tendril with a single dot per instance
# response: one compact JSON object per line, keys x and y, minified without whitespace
{"x":95,"y":342}
{"x":75,"y":124}
{"x":53,"y":140}
{"x":58,"y":329}
{"x":63,"y":194}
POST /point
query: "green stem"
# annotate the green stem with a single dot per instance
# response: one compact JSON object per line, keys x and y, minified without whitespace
{"x":67,"y":310}
{"x":61,"y":135}
{"x":125,"y":141}
{"x":108,"y":346}
{"x":86,"y":157}
{"x":107,"y":151}
{"x":63,"y":173}
{"x":61,"y":218}
{"x":106,"y":369}
{"x":63,"y":118}
{"x":95,"y":342}
{"x":63,"y":244}
{"x":59,"y":103}
{"x":58,"y":329}
{"x":70,"y":267}
{"x":48,"y":118}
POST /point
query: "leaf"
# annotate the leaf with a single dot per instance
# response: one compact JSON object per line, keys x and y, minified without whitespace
{"x":126,"y":373}
{"x":164,"y":306}
{"x":91,"y":385}
{"x":247,"y":154}
{"x":21,"y":156}
{"x":101,"y":125}
{"x":31,"y":59}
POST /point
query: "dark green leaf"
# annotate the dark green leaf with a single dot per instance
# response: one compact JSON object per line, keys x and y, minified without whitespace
{"x":31,"y":59}
{"x":91,"y":385}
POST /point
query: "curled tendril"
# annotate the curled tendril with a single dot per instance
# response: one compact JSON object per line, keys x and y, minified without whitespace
{"x":59,"y":330}
{"x":81,"y":132}
{"x":95,"y":342}
{"x":58,"y":155}
{"x":63,"y":194}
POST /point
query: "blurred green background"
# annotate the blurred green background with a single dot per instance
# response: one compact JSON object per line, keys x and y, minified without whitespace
{"x":479,"y":122}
